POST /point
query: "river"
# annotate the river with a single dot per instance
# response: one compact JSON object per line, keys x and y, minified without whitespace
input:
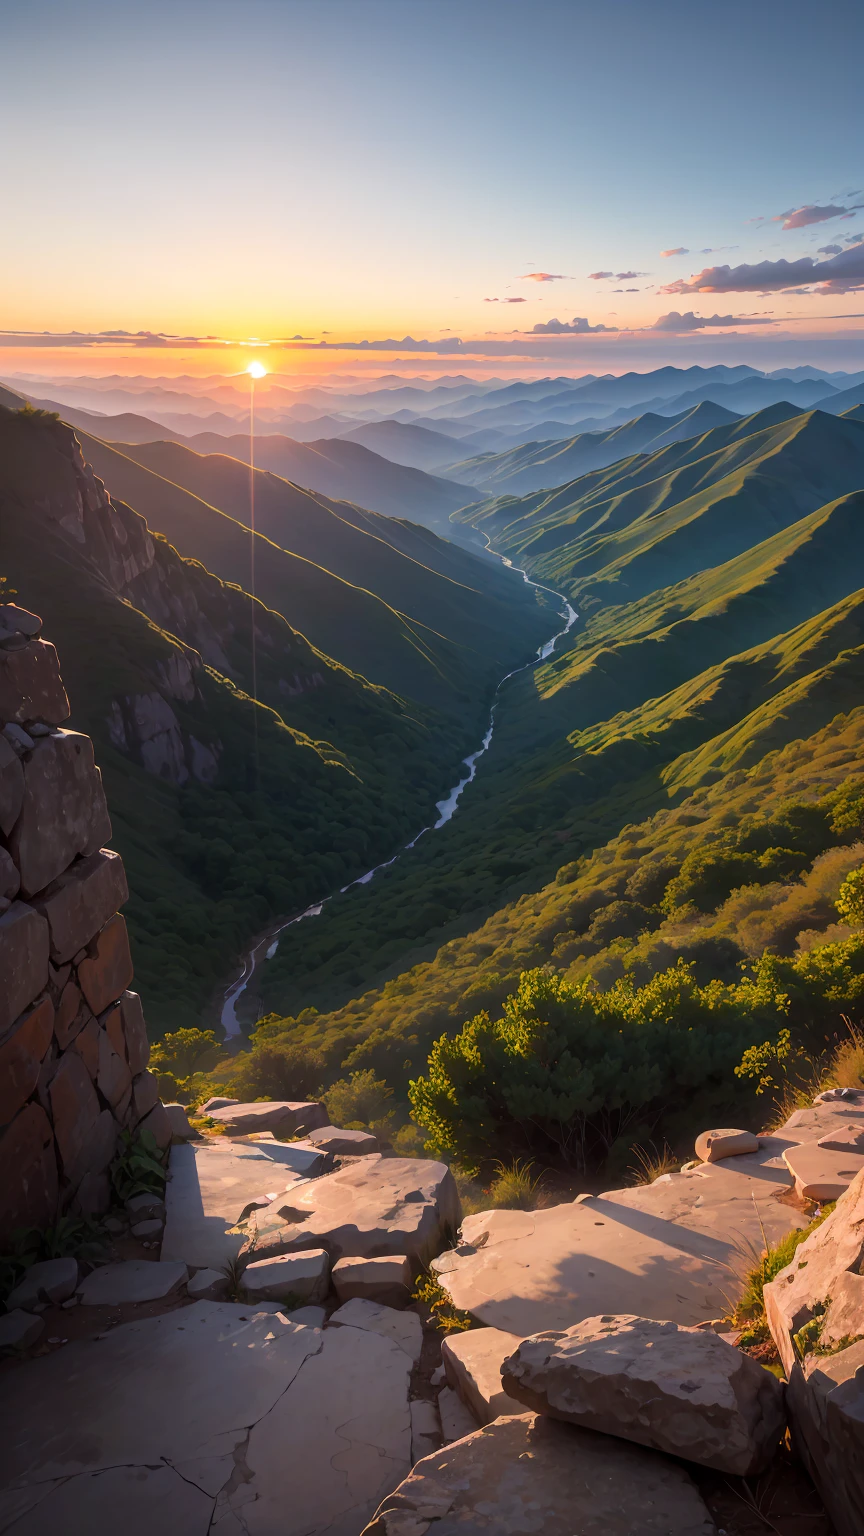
{"x":266,"y":947}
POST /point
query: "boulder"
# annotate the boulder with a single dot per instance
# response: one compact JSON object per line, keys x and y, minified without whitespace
{"x":823,"y":1287}
{"x":285,"y":1118}
{"x":135,"y":1032}
{"x":369,"y":1208}
{"x":684,"y":1391}
{"x":178,"y":1119}
{"x":132,"y":1280}
{"x":28,"y":1172}
{"x":18,"y":1330}
{"x":532,"y":1474}
{"x":52,"y":1280}
{"x":93,"y":1195}
{"x":106,"y":971}
{"x":456,"y":1418}
{"x":19,"y":620}
{"x":426,"y":1434}
{"x":404,"y":1328}
{"x":145,"y":1207}
{"x":23,"y":960}
{"x":31,"y":687}
{"x":63,"y":812}
{"x":845,"y":1138}
{"x":305,"y":1276}
{"x":80,"y":902}
{"x":113,"y":1078}
{"x":472,"y":1364}
{"x":712,"y":1146}
{"x":208,"y":1285}
{"x":329,"y":1138}
{"x":387,"y":1281}
{"x":21,"y":1056}
{"x":216,"y":1103}
{"x":147,"y":1229}
{"x":145,"y":1094}
{"x":11,"y":786}
{"x":75,"y":1111}
{"x":820,"y":1172}
{"x":157,"y":1125}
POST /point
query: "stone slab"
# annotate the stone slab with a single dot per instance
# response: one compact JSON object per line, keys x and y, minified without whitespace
{"x":847,"y":1138}
{"x":821,"y":1173}
{"x":329,"y":1138}
{"x":387,"y":1281}
{"x":63,"y":811}
{"x":136,"y":1500}
{"x":178,"y":1119}
{"x":285,"y":1117}
{"x":305,"y":1276}
{"x":684,"y":1391}
{"x":132,"y":1280}
{"x":404,"y":1328}
{"x":372,"y":1207}
{"x":211,"y":1183}
{"x":472,"y":1363}
{"x":713,"y":1146}
{"x":51,"y":1280}
{"x":308,"y":1317}
{"x":81,"y":900}
{"x":529,"y":1474}
{"x":208,"y":1285}
{"x":106,"y":971}
{"x":456,"y":1417}
{"x":426,"y":1434}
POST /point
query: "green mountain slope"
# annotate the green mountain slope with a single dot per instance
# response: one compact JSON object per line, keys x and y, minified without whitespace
{"x":226,"y":812}
{"x":444,"y":645}
{"x":537,"y":464}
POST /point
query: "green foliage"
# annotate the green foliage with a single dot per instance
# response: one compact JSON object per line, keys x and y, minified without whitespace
{"x":850,"y":899}
{"x":514,"y":1188}
{"x":430,"y":1293}
{"x":770,"y":1063}
{"x":137,"y":1168}
{"x":276,"y":1069}
{"x":76,"y":1237}
{"x":359,"y":1100}
{"x":652,"y":1164}
{"x":183,"y":1052}
{"x":567,"y":1068}
{"x":749,"y":1312}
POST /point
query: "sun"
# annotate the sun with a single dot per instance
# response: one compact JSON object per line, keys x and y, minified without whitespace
{"x":256,"y":370}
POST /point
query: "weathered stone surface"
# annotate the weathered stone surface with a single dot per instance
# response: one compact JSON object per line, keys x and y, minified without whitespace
{"x":28,"y":1172}
{"x":23,"y":960}
{"x":309,"y":1317}
{"x":216,"y":1103}
{"x":132,"y":1280}
{"x":63,"y":811}
{"x":284,"y":1117}
{"x":367,"y":1209}
{"x":145,"y":1094}
{"x":52,"y":1280}
{"x":426,"y":1434}
{"x":93,"y":1195}
{"x":31,"y":687}
{"x":212,"y":1183}
{"x":113,"y":1077}
{"x":71,"y":1016}
{"x":387,"y":1281}
{"x":529,"y":1474}
{"x":145,"y":1206}
{"x":456,"y":1418}
{"x":329,"y":1138}
{"x":208,"y":1285}
{"x":178,"y":1119}
{"x":825,"y":1396}
{"x":847,"y":1138}
{"x":472,"y":1363}
{"x":21,"y":1056}
{"x":404,"y":1328}
{"x":821,"y":1173}
{"x":135,"y":1031}
{"x":75,"y":1111}
{"x":680,"y":1390}
{"x":713,"y":1146}
{"x":300,"y":1156}
{"x":138,"y":1500}
{"x":106,"y":971}
{"x":305,"y":1276}
{"x":18,"y":1330}
{"x":86,"y":1045}
{"x":10,"y":880}
{"x":147,"y":1229}
{"x":157,"y":1125}
{"x":11,"y":786}
{"x":81,"y":900}
{"x":112,"y":1022}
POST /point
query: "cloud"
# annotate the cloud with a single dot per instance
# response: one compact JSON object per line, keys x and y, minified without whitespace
{"x":679,"y":325}
{"x":830,"y":250}
{"x":677,"y":250}
{"x":543,"y":277}
{"x":505,"y":301}
{"x":840,"y":274}
{"x":596,"y":276}
{"x":626,"y":277}
{"x":812,"y":213}
{"x":577,"y":326}
{"x":106,"y":338}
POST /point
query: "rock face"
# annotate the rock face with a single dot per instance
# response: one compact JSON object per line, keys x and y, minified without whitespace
{"x":367,"y":1209}
{"x":529,"y":1474}
{"x":342,"y":1143}
{"x":73,"y":1046}
{"x":824,"y":1287}
{"x":283,"y":1118}
{"x":680,"y":1390}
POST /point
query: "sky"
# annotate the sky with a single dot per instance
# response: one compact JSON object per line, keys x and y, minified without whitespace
{"x":502,"y":186}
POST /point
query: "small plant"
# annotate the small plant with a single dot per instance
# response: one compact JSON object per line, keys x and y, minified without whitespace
{"x":846,"y":1069}
{"x":651,"y":1164}
{"x":75,"y":1237}
{"x":513,"y":1187}
{"x":749,"y":1312}
{"x":431,"y":1294}
{"x":137,"y":1168}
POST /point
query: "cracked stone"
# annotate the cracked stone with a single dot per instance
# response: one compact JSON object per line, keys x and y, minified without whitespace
{"x":211,"y":1183}
{"x":207,"y":1285}
{"x":387,"y":1280}
{"x":457,"y":1420}
{"x":133,"y":1280}
{"x":304,"y":1275}
{"x":285,"y":1117}
{"x":426,"y":1434}
{"x":404,"y":1328}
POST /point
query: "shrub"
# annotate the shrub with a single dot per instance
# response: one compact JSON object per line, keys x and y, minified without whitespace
{"x":850,"y":899}
{"x":361,"y":1099}
{"x":277,"y":1069}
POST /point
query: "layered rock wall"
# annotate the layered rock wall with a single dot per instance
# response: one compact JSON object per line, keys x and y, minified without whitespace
{"x":73,"y":1046}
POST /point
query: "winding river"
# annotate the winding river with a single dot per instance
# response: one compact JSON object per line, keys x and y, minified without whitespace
{"x":266,"y":947}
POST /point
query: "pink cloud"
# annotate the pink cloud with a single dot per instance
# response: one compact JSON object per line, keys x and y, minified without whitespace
{"x":679,"y":325}
{"x":812,"y":213}
{"x":543,"y":277}
{"x":578,"y":326}
{"x":677,"y":250}
{"x":841,"y":274}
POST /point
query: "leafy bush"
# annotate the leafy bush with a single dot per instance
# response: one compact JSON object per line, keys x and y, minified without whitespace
{"x":360,"y":1100}
{"x":850,"y":899}
{"x":137,"y":1168}
{"x":277,"y":1069}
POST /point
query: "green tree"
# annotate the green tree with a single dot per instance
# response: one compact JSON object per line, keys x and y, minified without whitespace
{"x":850,"y":899}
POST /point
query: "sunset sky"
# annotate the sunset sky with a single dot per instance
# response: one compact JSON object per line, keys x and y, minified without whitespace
{"x":360,"y":170}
